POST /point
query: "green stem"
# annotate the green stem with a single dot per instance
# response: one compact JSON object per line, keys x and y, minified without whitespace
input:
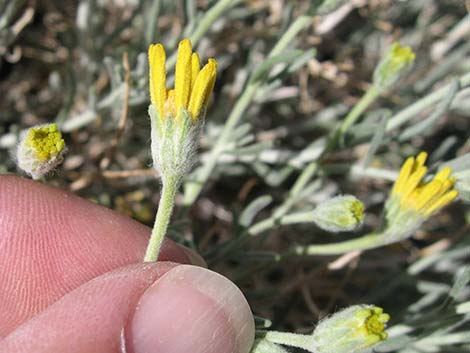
{"x":299,"y":185}
{"x":165,"y":208}
{"x":153,"y":16}
{"x":299,"y":24}
{"x":264,"y":225}
{"x":293,"y":218}
{"x":210,"y":17}
{"x":369,"y":241}
{"x":367,"y":99}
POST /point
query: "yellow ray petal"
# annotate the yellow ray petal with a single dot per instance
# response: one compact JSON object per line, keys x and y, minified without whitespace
{"x":151,"y":59}
{"x":441,"y":202}
{"x":170,"y":109}
{"x":183,"y":74}
{"x":420,"y":160}
{"x":195,"y":68}
{"x":157,"y":76}
{"x":411,"y":200}
{"x":403,"y":176}
{"x":202,"y":88}
{"x":413,"y":181}
{"x":447,"y":184}
{"x":210,"y":86}
{"x":443,"y":174}
{"x":428,"y":192}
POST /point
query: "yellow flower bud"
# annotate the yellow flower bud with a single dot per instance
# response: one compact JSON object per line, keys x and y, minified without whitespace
{"x":354,"y":330}
{"x":393,"y":65}
{"x":339,"y":214}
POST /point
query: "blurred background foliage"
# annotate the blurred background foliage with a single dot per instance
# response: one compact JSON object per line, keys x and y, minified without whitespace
{"x":289,"y":72}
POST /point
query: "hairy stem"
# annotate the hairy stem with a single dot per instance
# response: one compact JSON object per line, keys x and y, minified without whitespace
{"x":165,"y":209}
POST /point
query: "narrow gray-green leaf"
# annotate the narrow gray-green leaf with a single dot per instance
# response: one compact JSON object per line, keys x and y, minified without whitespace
{"x":252,"y":210}
{"x":252,"y":149}
{"x":377,"y":139}
{"x":269,"y":63}
{"x":441,"y":109}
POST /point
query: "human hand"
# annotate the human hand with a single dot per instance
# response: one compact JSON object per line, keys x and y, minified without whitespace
{"x":71,"y":280}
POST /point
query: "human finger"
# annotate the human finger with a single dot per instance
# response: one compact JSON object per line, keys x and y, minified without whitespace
{"x":146,"y":308}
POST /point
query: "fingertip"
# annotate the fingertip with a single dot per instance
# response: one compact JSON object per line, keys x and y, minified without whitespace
{"x":52,"y":242}
{"x":191,"y":309}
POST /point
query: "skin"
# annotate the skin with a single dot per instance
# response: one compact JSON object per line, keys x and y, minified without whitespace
{"x":72,"y":280}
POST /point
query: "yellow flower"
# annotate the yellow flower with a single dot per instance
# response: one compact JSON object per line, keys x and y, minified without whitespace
{"x":193,"y":86}
{"x":40,"y":150}
{"x":425,"y":198}
{"x":177,"y":115}
{"x":45,"y":141}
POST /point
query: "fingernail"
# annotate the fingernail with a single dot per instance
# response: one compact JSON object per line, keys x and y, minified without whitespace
{"x":191,"y":309}
{"x":194,"y":257}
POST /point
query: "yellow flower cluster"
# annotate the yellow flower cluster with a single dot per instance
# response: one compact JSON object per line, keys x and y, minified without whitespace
{"x":354,"y":330}
{"x":193,"y":85}
{"x":400,"y":56}
{"x":45,"y":142}
{"x":374,"y":328}
{"x":423,"y":198}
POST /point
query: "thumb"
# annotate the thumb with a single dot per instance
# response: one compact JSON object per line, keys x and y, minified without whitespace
{"x":156,"y":308}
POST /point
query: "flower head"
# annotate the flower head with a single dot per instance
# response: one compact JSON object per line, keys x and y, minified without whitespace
{"x":339,"y":214}
{"x":418,"y":196}
{"x":193,"y":85}
{"x":412,"y":200}
{"x":393,"y":65}
{"x":353,"y":330}
{"x":40,"y":150}
{"x":177,"y":114}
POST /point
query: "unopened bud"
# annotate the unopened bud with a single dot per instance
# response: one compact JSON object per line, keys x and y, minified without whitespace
{"x":40,"y":150}
{"x":356,"y":329}
{"x":393,"y":66}
{"x":339,"y":214}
